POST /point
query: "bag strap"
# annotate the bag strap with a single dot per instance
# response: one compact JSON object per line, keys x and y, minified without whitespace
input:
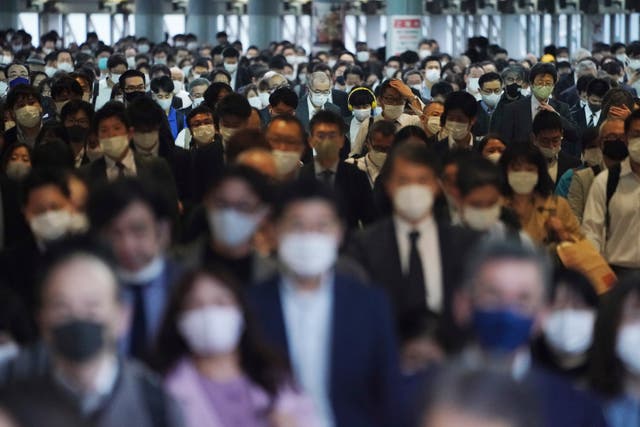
{"x":612,"y":184}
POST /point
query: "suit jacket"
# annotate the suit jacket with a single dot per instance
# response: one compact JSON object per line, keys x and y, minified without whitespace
{"x":207,"y":162}
{"x":302,"y":112}
{"x":498,"y":114}
{"x":243,"y":78}
{"x":570,"y":96}
{"x":515,"y":126}
{"x":483,"y":121}
{"x":579,"y":117}
{"x":363,"y":360}
{"x":353,"y":190}
{"x":565,"y":162}
{"x":564,"y":83}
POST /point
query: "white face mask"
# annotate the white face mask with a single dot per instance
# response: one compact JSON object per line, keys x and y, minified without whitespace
{"x":211,"y":330}
{"x":94,"y":153}
{"x":377,"y":157}
{"x":492,"y":99}
{"x":50,"y":225}
{"x":114,"y":147}
{"x":592,"y":156}
{"x":549,"y":153}
{"x":286,"y":161}
{"x":230,"y":68}
{"x":17,"y":170}
{"x":432,"y":75}
{"x":227,"y":133}
{"x":28,"y":116}
{"x":433,"y":124}
{"x":494,"y":157}
{"x":50,"y":71}
{"x":457,"y":130}
{"x":634,"y":64}
{"x":417,"y":87}
{"x":308,"y":254}
{"x":473,"y":84}
{"x":146,"y":140}
{"x":203,"y":134}
{"x":634,"y":149}
{"x":362,"y":56}
{"x":303,"y":78}
{"x":196,"y":102}
{"x":291,"y":59}
{"x":131,"y":61}
{"x":165,"y":104}
{"x":392,"y":112}
{"x":570,"y":332}
{"x":362,"y":115}
{"x":255,"y":102}
{"x":424,"y":53}
{"x":481,"y":219}
{"x":525,"y":92}
{"x":67,"y":67}
{"x":628,"y":347}
{"x":319,"y":99}
{"x":177,"y":86}
{"x":264,"y":98}
{"x":390,"y":72}
{"x":413,"y":201}
{"x":231,"y":227}
{"x":522,"y":182}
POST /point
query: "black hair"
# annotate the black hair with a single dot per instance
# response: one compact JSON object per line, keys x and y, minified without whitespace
{"x":201,"y":109}
{"x":21,"y":91}
{"x":527,"y":153}
{"x":110,"y":109}
{"x":213,"y":91}
{"x":66,"y":84}
{"x":577,"y":283}
{"x":431,"y":58}
{"x":408,"y":132}
{"x":485,"y":140}
{"x":598,"y":87}
{"x":546,"y":120}
{"x":43,"y":177}
{"x":354,"y":69}
{"x":306,"y":189}
{"x":477,"y":172}
{"x":588,"y":136}
{"x":383,"y":127}
{"x":583,"y":82}
{"x":414,"y":153}
{"x":145,"y":113}
{"x":213,"y":74}
{"x":543,"y":68}
{"x":289,"y":119}
{"x":489,"y":77}
{"x":616,"y":97}
{"x":359,"y":96}
{"x":258,"y":182}
{"x":128,"y":74}
{"x":233,"y":104}
{"x":441,"y":88}
{"x":49,"y":131}
{"x":327,"y":117}
{"x":55,"y":153}
{"x":462,"y":101}
{"x":284,"y":95}
{"x":613,"y":67}
{"x":230,"y":52}
{"x":115,"y":60}
{"x":163,"y":83}
{"x":160,"y":68}
{"x":11,"y":149}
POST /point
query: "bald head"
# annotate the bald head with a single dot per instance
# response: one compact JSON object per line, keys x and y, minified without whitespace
{"x":260,"y":160}
{"x":319,"y":80}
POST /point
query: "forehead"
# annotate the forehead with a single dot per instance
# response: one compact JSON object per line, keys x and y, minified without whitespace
{"x":309,"y":209}
{"x":325,"y":127}
{"x":510,"y":275}
{"x":81,"y":274}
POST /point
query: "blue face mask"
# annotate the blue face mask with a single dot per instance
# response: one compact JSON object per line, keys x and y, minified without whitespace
{"x":501,"y":330}
{"x":102,"y":63}
{"x":19,"y":81}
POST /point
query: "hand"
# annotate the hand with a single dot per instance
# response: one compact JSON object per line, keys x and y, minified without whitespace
{"x":555,"y":226}
{"x":403,"y":89}
{"x":545,"y":106}
{"x":634,"y":77}
{"x":621,"y":112}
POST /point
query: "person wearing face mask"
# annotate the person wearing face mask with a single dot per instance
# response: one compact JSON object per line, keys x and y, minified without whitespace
{"x":326,"y":138}
{"x":79,"y":373}
{"x":17,"y":162}
{"x":545,"y":217}
{"x":565,"y":345}
{"x":64,"y":61}
{"x":432,"y":73}
{"x":76,"y":116}
{"x":133,"y":84}
{"x":591,"y":158}
{"x":615,"y":370}
{"x":25,"y":103}
{"x":472,"y":76}
{"x":517,"y":117}
{"x":393,"y":97}
{"x":63,"y":90}
{"x":286,"y":137}
{"x":503,"y":301}
{"x":230,"y":62}
{"x":391,"y":68}
{"x":317,"y":99}
{"x":414,"y":79}
{"x":378,"y":143}
{"x":206,"y":341}
{"x":608,"y":216}
{"x":232,"y":114}
{"x":179,"y":88}
{"x":610,"y":149}
{"x":458,"y":118}
{"x":491,"y":91}
{"x":412,"y":254}
{"x":162,"y":92}
{"x":588,"y":115}
{"x":548,"y":136}
{"x":310,"y":296}
{"x":431,"y":119}
{"x":514,"y":78}
{"x":361,"y":101}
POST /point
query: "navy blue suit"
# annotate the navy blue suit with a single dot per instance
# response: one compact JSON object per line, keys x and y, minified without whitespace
{"x":363,"y":359}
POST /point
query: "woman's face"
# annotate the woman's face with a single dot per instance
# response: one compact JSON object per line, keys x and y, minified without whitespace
{"x":208,"y":291}
{"x":522,"y":166}
{"x":566,"y":298}
{"x":493,"y":146}
{"x":20,"y":154}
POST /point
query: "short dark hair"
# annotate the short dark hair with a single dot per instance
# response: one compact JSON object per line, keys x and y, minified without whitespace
{"x":477,"y":172}
{"x":327,"y":117}
{"x":583,"y":82}
{"x":64,"y":84}
{"x":489,"y":77}
{"x":528,"y":153}
{"x":201,"y":109}
{"x":245,"y":139}
{"x":163,"y":83}
{"x":216,"y":72}
{"x":19,"y":92}
{"x":230,"y":52}
{"x":431,"y":58}
{"x":145,"y":113}
{"x":384,"y":127}
{"x":360,"y":96}
{"x":160,"y":68}
{"x":414,"y":153}
{"x":598,"y":87}
{"x":110,"y":109}
{"x":212,"y":92}
{"x":233,"y":105}
{"x":462,"y":101}
{"x":284,"y":95}
{"x":259,"y":184}
{"x":306,"y":189}
{"x":128,"y":74}
{"x":115,"y":60}
{"x":441,"y":88}
{"x":543,"y":68}
{"x":289,"y":119}
{"x":42,"y":177}
{"x":354,"y":69}
{"x":546,"y":120}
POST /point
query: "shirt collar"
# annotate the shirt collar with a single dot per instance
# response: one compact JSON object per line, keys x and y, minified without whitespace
{"x":625,"y":167}
{"x":290,"y":289}
{"x":319,"y":169}
{"x":128,"y":161}
{"x":404,"y":227}
{"x":144,"y":275}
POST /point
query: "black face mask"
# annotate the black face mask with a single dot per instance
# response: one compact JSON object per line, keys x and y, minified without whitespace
{"x":594,"y":108}
{"x":513,"y":90}
{"x":78,"y":340}
{"x":77,"y":133}
{"x":615,"y":150}
{"x":132,"y":96}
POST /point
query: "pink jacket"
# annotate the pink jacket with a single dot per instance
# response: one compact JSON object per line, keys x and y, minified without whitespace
{"x":183,"y":383}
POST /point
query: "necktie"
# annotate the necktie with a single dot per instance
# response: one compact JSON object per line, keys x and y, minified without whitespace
{"x":121,"y":169}
{"x":592,"y":120}
{"x":326,"y":177}
{"x":138,"y":333}
{"x":417,"y":290}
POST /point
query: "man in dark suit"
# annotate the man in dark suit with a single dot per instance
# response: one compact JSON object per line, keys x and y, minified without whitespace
{"x":414,"y":256}
{"x":316,"y":100}
{"x":513,"y":78}
{"x":588,"y":116}
{"x":547,"y":136}
{"x":515,"y":126}
{"x":351,"y":184}
{"x":459,"y":118}
{"x":491,"y":90}
{"x":338,"y":334}
{"x":231,"y":62}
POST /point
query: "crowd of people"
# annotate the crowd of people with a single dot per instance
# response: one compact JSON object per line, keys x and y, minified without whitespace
{"x":200,"y":233}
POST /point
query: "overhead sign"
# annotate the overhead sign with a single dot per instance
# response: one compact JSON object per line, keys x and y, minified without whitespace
{"x":405,"y":32}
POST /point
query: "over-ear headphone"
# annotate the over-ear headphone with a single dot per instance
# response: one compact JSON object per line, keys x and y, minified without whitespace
{"x":374,"y":104}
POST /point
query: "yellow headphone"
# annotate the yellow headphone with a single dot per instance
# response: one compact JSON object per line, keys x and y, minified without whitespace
{"x":374,"y":104}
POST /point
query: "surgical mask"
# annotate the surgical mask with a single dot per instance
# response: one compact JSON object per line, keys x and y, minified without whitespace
{"x":5,"y":60}
{"x":433,"y":124}
{"x":211,"y":330}
{"x":255,"y":102}
{"x":413,"y":201}
{"x":542,"y":92}
{"x":348,"y":88}
{"x":491,"y":99}
{"x":67,"y":67}
{"x":319,"y":99}
{"x":362,"y":56}
{"x":131,"y":61}
{"x":160,"y":61}
{"x":165,"y":104}
{"x":186,"y":69}
{"x":230,"y":68}
{"x":303,"y":78}
{"x":457,"y":130}
{"x":18,"y":81}
{"x":362,"y":114}
{"x":232,"y":227}
{"x":501,"y":330}
{"x":494,"y":157}
{"x":549,"y":153}
{"x":512,"y":90}
{"x":17,"y":170}
{"x":50,"y":225}
{"x":522,"y":182}
{"x":50,"y":71}
{"x":634,"y":149}
{"x":628,"y":347}
{"x":132,"y":96}
{"x":197,"y":101}
{"x":195,"y":76}
{"x":432,"y":75}
{"x":390,"y":72}
{"x":377,"y":157}
{"x":481,"y":219}
{"x":525,"y":91}
{"x":4,"y":86}
{"x":569,"y":331}
{"x":78,"y":340}
{"x":594,"y":107}
{"x":473,"y":84}
{"x":114,"y":147}
{"x":264,"y":99}
{"x":417,"y":87}
{"x":227,"y":133}
{"x":177,"y":86}
{"x":28,"y":116}
{"x":592,"y":156}
{"x":192,"y":45}
{"x":615,"y":150}
{"x":286,"y":161}
{"x":203,"y":134}
{"x":331,"y":63}
{"x":146,"y":140}
{"x":94,"y":153}
{"x":308,"y":254}
{"x":291,"y":59}
{"x":392,"y":112}
{"x":102,"y":63}
{"x":424,"y":53}
{"x":327,"y":149}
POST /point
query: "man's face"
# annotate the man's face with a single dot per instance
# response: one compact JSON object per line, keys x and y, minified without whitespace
{"x":492,"y":86}
{"x":414,"y":79}
{"x":231,"y":121}
{"x":281,"y":109}
{"x":404,"y":172}
{"x":23,"y":101}
{"x":64,"y":57}
{"x":309,"y":216}
{"x":391,"y":97}
{"x":136,"y":236}
{"x":381,"y":142}
{"x":549,"y":138}
{"x":231,"y":60}
{"x":47,"y":198}
{"x":118,"y":69}
{"x":285,"y":136}
{"x":200,"y":120}
{"x":79,"y":118}
{"x":327,"y":139}
{"x":134,"y":84}
{"x":321,"y":87}
{"x":112,"y":126}
{"x":15,"y":71}
{"x":353,"y":80}
{"x":198,"y":91}
{"x":432,"y":65}
{"x":200,"y":70}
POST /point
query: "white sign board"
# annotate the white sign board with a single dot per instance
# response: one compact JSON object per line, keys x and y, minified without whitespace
{"x":405,"y":32}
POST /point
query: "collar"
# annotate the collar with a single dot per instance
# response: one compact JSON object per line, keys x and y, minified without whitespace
{"x":518,"y":367}
{"x":535,"y":103}
{"x":404,"y":227}
{"x":290,"y":289}
{"x":144,"y":275}
{"x":128,"y":161}
{"x":319,"y":169}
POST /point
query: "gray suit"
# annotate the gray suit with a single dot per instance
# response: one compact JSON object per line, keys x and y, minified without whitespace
{"x":302,"y":112}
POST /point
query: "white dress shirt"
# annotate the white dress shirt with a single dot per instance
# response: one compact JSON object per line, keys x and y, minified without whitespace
{"x":553,"y":169}
{"x":312,"y":108}
{"x":403,"y":121}
{"x":429,"y":248}
{"x":535,"y":106}
{"x":308,"y":321}
{"x":588,"y":113}
{"x":104,"y":94}
{"x":620,"y":245}
{"x":129,"y":166}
